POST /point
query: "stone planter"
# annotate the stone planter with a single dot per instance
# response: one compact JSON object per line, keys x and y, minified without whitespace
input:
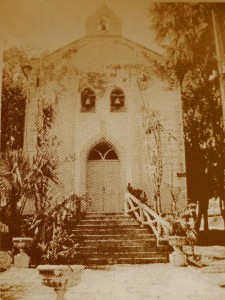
{"x":22,"y":243}
{"x":60,"y":277}
{"x":177,"y":258}
{"x":177,"y":241}
{"x":22,"y":260}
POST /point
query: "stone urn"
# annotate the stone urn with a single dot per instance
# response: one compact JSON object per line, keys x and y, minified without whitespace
{"x":22,"y":259}
{"x":178,"y":258}
{"x":60,"y":277}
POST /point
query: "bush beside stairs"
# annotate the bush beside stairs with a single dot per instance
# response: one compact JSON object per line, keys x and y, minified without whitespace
{"x":113,"y":238}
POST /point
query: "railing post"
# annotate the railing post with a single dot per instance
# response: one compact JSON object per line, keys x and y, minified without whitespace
{"x":159,"y":229}
{"x":141,"y":215}
{"x":125,"y":207}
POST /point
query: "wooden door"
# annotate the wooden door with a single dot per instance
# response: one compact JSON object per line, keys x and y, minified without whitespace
{"x":104,"y":183}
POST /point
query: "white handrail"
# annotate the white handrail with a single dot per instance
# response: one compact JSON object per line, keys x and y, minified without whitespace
{"x":146,"y":216}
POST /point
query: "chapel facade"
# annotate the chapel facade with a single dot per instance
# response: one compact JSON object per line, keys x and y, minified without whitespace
{"x":113,"y":115}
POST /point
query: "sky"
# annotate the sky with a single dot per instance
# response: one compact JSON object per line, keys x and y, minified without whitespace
{"x":51,"y":24}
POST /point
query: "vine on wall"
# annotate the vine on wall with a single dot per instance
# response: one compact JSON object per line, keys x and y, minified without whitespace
{"x":47,"y":117}
{"x":97,"y":81}
{"x":153,"y":130}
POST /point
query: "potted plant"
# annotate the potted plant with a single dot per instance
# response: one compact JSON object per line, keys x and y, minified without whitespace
{"x":181,"y":234}
{"x":58,"y":270}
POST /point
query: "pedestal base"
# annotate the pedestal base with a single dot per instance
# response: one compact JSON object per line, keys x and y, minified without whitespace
{"x":22,"y":260}
{"x":178,"y":259}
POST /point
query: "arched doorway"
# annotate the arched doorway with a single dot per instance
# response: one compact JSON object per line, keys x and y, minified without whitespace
{"x":104,"y":179}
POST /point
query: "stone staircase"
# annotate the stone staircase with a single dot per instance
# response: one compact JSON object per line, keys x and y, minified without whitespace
{"x":112,"y":238}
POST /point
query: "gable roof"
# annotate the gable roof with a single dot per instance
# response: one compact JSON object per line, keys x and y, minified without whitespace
{"x":120,"y":39}
{"x":114,"y":34}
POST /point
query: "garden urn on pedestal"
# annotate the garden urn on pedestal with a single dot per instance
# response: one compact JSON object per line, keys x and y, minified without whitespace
{"x":22,"y":259}
{"x":178,"y":257}
{"x":60,"y":277}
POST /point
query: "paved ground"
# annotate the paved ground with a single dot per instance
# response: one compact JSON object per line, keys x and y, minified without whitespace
{"x":124,"y":282}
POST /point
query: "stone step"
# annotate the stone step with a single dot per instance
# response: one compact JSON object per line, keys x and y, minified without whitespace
{"x":105,"y":216}
{"x":109,"y":219}
{"x":116,"y":227}
{"x":110,"y":238}
{"x":109,"y":231}
{"x":122,"y":260}
{"x":109,"y":222}
{"x":119,"y":243}
{"x":140,"y":248}
{"x":140,"y":254}
{"x":96,"y":236}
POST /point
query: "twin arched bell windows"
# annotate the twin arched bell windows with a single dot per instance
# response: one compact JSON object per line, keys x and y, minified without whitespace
{"x":88,"y":99}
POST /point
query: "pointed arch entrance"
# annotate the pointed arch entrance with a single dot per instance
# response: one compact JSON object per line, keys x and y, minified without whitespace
{"x":104,"y":179}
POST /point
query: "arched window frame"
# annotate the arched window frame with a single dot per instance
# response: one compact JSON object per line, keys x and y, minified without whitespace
{"x":102,"y":151}
{"x":117,"y":100}
{"x":88,"y":100}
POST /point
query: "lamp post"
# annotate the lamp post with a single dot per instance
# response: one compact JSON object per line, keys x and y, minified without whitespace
{"x":220,"y":59}
{"x":1,"y":66}
{"x":220,"y":54}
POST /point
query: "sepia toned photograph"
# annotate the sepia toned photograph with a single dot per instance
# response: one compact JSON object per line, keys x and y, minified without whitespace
{"x":112,"y":150}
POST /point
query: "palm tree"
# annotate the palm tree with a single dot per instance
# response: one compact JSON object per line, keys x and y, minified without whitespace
{"x":185,"y":31}
{"x":25,"y":179}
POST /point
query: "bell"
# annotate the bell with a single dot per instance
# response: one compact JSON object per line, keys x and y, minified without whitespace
{"x":87,"y":101}
{"x":144,"y":78}
{"x":117,"y":101}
